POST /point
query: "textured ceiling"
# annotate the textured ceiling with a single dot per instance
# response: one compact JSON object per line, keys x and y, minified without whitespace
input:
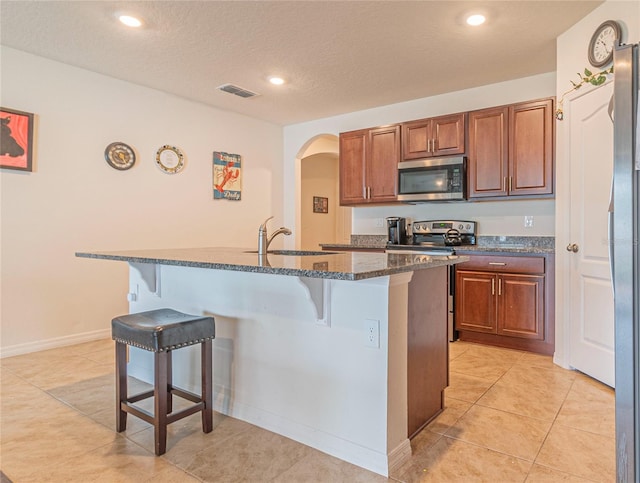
{"x":337,"y":56}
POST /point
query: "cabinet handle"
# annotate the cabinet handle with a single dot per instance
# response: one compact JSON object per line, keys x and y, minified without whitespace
{"x":510,"y":184}
{"x":499,"y":286}
{"x":500,"y":264}
{"x":368,"y":192}
{"x":493,"y":286}
{"x":428,"y":145}
{"x":504,"y":184}
{"x":433,"y":145}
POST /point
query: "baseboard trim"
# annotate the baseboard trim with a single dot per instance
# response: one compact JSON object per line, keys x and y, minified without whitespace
{"x":399,"y":456}
{"x":41,"y":345}
{"x":327,"y":443}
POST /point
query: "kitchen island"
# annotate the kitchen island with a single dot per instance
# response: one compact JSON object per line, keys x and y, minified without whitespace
{"x":344,"y":352}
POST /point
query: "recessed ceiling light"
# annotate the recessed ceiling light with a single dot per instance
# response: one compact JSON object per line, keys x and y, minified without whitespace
{"x":130,"y":21}
{"x":475,"y":20}
{"x":278,"y":81}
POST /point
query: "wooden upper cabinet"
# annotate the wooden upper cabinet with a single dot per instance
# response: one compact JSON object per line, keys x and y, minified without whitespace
{"x":531,"y":148}
{"x":438,"y":136}
{"x":511,"y":150}
{"x":448,"y":134}
{"x":369,"y":165}
{"x":488,"y":151}
{"x":382,"y":165}
{"x":353,"y":154}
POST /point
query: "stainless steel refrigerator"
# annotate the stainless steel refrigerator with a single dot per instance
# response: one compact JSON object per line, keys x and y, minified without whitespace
{"x":625,"y":260}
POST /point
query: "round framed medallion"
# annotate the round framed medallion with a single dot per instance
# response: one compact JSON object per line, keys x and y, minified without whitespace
{"x":602,"y":43}
{"x":120,"y":156}
{"x":169,"y":159}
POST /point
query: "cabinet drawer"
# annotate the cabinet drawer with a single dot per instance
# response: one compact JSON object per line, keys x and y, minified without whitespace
{"x":492,"y":263}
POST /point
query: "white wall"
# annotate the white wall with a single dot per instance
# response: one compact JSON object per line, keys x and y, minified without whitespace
{"x":572,"y":58}
{"x":74,"y":201}
{"x":503,"y":218}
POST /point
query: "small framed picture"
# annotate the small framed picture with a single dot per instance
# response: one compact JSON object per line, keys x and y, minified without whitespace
{"x":16,"y":141}
{"x":320,"y":204}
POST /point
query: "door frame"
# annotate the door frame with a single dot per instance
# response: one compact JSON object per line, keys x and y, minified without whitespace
{"x":308,"y":149}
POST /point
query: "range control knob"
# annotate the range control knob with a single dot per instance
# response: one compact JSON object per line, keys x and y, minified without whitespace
{"x":460,"y":227}
{"x":468,"y":226}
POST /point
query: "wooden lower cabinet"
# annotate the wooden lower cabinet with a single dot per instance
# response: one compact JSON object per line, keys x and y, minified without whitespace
{"x":496,"y":307}
{"x":476,"y":308}
{"x":521,"y":306}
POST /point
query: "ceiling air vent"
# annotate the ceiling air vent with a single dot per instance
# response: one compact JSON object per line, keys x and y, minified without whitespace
{"x":238,"y":91}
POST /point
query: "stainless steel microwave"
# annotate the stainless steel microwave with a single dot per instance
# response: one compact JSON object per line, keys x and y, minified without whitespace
{"x":432,"y":179}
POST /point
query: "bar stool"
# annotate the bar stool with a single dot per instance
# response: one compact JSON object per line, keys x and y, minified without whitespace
{"x":162,"y":331}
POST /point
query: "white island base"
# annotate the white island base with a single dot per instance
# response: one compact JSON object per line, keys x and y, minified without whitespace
{"x":293,"y":355}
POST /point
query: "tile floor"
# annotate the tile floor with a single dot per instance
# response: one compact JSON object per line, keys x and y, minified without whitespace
{"x":510,"y":417}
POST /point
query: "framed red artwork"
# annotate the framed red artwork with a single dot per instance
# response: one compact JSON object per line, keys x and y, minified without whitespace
{"x":16,"y":139}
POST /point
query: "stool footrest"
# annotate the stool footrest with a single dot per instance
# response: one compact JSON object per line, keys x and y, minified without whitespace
{"x":173,"y":417}
{"x":149,"y":418}
{"x":186,"y":395}
{"x":140,"y":397}
{"x":136,"y":411}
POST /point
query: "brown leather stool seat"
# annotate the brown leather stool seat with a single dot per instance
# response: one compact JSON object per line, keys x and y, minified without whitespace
{"x":162,"y":331}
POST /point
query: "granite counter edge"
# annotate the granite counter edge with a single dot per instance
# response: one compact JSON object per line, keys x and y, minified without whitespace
{"x":297,"y":272}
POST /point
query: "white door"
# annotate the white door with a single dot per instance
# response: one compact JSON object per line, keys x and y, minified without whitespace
{"x":591,"y":295}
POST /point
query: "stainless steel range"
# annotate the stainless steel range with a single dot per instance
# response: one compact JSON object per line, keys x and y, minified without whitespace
{"x":440,"y":238}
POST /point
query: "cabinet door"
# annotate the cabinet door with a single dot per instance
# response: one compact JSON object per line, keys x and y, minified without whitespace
{"x":488,"y":150}
{"x":448,"y":135}
{"x":475,"y":301}
{"x":521,"y":306}
{"x":382,"y":163}
{"x":416,"y":139}
{"x":353,"y":152}
{"x":531,"y":148}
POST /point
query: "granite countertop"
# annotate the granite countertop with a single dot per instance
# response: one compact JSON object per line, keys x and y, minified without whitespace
{"x":337,"y":266}
{"x":512,"y":244}
{"x":498,"y":244}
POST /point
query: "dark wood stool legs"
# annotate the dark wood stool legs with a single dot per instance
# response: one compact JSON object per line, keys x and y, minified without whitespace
{"x":162,"y":393}
{"x":121,"y":385}
{"x":207,"y":386}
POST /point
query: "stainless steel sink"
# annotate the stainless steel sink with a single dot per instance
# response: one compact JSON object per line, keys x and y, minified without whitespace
{"x":294,"y":253}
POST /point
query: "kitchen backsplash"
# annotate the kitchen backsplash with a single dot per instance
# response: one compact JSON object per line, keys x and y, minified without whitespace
{"x":494,"y":218}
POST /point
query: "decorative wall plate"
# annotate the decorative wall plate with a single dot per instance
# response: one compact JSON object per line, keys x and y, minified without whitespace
{"x":169,"y":159}
{"x":120,"y":156}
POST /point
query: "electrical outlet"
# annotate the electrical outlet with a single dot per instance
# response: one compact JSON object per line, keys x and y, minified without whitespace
{"x":372,"y":333}
{"x":528,"y":221}
{"x":379,"y":222}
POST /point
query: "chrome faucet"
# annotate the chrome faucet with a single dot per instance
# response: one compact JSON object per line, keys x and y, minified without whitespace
{"x":264,"y":241}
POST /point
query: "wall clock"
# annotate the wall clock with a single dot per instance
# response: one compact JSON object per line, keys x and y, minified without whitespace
{"x":119,"y":156}
{"x":169,"y":159}
{"x":602,"y":43}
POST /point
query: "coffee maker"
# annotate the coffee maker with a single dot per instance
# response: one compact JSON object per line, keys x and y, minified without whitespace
{"x":396,"y":231}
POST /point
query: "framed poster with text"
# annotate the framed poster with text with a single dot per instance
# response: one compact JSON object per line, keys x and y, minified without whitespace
{"x":227,"y":176}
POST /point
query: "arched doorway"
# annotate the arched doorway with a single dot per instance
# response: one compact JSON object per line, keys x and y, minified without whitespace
{"x":321,"y":218}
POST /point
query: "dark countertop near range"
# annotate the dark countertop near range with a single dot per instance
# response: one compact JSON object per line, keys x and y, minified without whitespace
{"x":336,"y":266}
{"x":499,"y":244}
